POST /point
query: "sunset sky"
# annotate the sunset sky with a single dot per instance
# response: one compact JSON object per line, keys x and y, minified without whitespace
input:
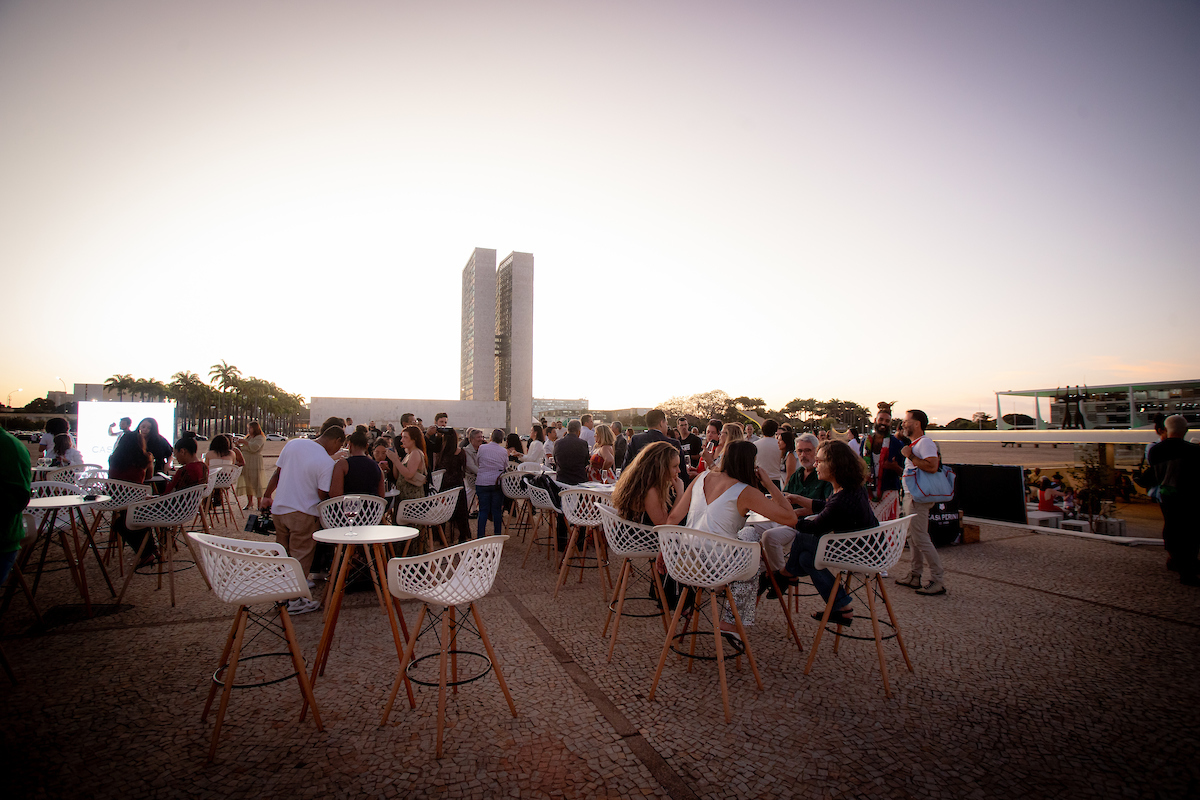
{"x":921,"y":201}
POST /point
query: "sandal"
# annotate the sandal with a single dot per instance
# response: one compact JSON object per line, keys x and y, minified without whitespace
{"x":836,"y":617}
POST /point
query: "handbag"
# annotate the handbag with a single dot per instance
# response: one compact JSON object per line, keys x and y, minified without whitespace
{"x":930,"y":487}
{"x":261,"y":523}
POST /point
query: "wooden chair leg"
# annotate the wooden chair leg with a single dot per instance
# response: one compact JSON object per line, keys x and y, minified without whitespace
{"x":662,"y":593}
{"x":169,"y":546}
{"x":401,"y":677}
{"x":695,"y":628}
{"x":137,"y":557}
{"x":783,"y":603}
{"x":453,"y":646}
{"x":230,"y":674}
{"x":895,"y":625}
{"x":837,"y":582}
{"x":441,"y":720}
{"x":529,"y":547}
{"x":298,"y":663}
{"x":487,"y":646}
{"x":616,"y":589}
{"x":737,"y":621}
{"x":624,"y":583}
{"x":662,"y":659}
{"x":887,"y":689}
{"x":212,"y":689}
{"x":566,"y":563}
{"x":712,"y":604}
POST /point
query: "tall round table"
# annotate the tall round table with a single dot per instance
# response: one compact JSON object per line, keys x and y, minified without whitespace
{"x":73,"y":504}
{"x":372,"y":539}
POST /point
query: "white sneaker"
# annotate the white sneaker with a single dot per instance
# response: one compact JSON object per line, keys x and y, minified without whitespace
{"x":302,"y":606}
{"x":312,"y":584}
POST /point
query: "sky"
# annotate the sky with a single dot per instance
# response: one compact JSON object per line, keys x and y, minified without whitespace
{"x":924,"y":202}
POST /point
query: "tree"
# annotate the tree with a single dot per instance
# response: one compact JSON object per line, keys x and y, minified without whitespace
{"x":120,"y":384}
{"x":225,"y":377}
{"x":748,"y":403}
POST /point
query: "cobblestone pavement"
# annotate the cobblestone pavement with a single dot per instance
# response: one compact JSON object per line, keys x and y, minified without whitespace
{"x":1054,"y":667}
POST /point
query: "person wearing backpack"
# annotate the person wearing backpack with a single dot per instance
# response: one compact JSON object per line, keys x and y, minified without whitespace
{"x":922,"y":454}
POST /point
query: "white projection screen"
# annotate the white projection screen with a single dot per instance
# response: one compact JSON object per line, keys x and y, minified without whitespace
{"x":94,"y":438}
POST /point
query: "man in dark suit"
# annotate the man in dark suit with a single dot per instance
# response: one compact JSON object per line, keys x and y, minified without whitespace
{"x":571,"y":456}
{"x":621,"y":446}
{"x":656,"y":421}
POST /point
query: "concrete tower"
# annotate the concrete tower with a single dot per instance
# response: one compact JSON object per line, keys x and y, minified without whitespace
{"x":477,"y":355}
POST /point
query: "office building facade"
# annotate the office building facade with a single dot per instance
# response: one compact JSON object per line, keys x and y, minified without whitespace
{"x":496,"y":362}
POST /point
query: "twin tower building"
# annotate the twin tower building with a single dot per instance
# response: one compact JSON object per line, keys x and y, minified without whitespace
{"x":497,"y":334}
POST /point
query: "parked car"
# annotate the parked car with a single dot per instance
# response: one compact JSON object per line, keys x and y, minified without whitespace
{"x":276,"y":437}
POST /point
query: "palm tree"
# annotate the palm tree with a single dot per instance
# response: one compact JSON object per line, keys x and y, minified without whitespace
{"x":225,"y":376}
{"x":120,"y":384}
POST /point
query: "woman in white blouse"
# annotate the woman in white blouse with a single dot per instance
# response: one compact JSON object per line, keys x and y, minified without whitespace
{"x":537,"y":446}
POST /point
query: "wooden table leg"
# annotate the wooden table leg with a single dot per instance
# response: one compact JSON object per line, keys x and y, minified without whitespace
{"x":90,"y":540}
{"x":399,"y":614}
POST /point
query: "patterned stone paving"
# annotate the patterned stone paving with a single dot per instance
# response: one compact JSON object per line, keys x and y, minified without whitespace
{"x":1054,"y":667}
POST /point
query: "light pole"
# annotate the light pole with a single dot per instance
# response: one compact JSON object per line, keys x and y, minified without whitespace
{"x":10,"y":394}
{"x":64,"y":383}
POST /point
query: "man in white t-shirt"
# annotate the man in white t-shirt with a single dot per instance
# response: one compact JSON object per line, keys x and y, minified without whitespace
{"x":588,"y":431}
{"x":769,"y":457}
{"x":350,"y":426}
{"x":299,"y":484}
{"x":922,"y":454}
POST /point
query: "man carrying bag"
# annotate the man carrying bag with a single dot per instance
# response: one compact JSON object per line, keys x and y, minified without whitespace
{"x":922,"y":456}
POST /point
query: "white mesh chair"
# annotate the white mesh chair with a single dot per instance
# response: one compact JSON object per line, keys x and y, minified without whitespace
{"x":165,"y":515}
{"x":630,"y":542}
{"x":348,"y":511}
{"x":122,"y":493}
{"x":705,"y":562}
{"x":443,"y":581}
{"x":435,"y":479}
{"x":863,"y":554}
{"x":581,"y":509}
{"x":68,"y":474}
{"x":221,"y":481}
{"x":428,"y":513}
{"x":543,"y":504}
{"x":244,"y":574}
{"x":522,"y":511}
{"x":54,"y":489}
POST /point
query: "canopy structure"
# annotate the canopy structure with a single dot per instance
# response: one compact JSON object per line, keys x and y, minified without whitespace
{"x":1108,"y":407}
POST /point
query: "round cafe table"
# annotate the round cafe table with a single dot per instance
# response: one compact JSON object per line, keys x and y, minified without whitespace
{"x":73,"y":505}
{"x":372,"y":539}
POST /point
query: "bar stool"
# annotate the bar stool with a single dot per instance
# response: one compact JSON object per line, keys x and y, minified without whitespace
{"x":864,"y":554}
{"x":581,"y":509}
{"x":543,"y":503}
{"x":123,"y":493}
{"x":630,"y":541}
{"x":443,"y":581}
{"x":165,"y":515}
{"x":348,"y":511}
{"x":701,"y":561}
{"x":244,"y":574}
{"x":428,"y":513}
{"x":513,"y":486}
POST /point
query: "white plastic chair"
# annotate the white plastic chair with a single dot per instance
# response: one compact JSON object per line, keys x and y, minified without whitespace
{"x":351,"y":510}
{"x":432,"y":512}
{"x":514,"y":489}
{"x":581,"y":509}
{"x":69,"y":473}
{"x":435,"y":479}
{"x":442,"y":581}
{"x":122,"y":493}
{"x":543,"y":504}
{"x":699,"y":562}
{"x":630,"y":542}
{"x":221,"y":482}
{"x":247,"y":573}
{"x":165,"y":515}
{"x":54,"y":489}
{"x":865,"y":554}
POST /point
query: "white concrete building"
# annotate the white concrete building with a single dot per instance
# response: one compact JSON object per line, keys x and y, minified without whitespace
{"x":477,"y":360}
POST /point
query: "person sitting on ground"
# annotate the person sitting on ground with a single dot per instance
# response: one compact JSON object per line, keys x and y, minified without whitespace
{"x":603,"y":456}
{"x":65,"y":453}
{"x":718,"y":501}
{"x":847,"y":509}
{"x":1047,"y":494}
{"x":191,"y":471}
{"x":357,"y":473}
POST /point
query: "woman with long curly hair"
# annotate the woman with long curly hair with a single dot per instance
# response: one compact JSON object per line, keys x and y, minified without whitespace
{"x":649,"y":487}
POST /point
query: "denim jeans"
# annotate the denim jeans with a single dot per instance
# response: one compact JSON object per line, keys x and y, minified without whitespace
{"x":801,"y":561}
{"x":491,"y":504}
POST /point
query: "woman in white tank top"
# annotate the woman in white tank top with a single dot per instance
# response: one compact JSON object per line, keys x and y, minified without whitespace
{"x":718,"y":500}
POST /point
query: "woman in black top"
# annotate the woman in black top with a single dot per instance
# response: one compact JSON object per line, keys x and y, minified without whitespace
{"x":847,"y":509}
{"x":156,"y":445}
{"x":453,"y":461}
{"x":358,"y":473}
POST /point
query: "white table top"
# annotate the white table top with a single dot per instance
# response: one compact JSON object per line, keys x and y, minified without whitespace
{"x":65,"y":501}
{"x":366,"y":534}
{"x":591,"y":486}
{"x":392,"y":493}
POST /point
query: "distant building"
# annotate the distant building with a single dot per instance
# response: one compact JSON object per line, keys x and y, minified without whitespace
{"x":496,"y":357}
{"x":1107,"y":407}
{"x":556,"y":409}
